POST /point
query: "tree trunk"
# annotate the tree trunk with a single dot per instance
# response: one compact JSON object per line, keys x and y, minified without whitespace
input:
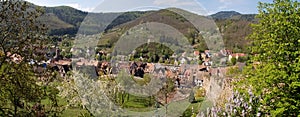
{"x":128,"y":97}
{"x":150,"y":100}
{"x":15,"y":107}
{"x":123,"y":98}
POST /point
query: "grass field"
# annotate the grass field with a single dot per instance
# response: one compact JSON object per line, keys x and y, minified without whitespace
{"x":134,"y":104}
{"x":68,"y":112}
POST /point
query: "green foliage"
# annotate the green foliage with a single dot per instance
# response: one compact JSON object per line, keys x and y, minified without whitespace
{"x":137,"y":103}
{"x":67,"y":14}
{"x":276,"y":41}
{"x":66,"y":20}
{"x":170,"y":86}
{"x":147,"y":78}
{"x":200,"y":62}
{"x":193,"y":109}
{"x":125,"y":17}
{"x":160,"y":60}
{"x":21,"y":35}
{"x":200,"y":92}
{"x":152,"y":51}
{"x":243,"y":59}
{"x":233,"y":61}
{"x":233,"y":72}
{"x":225,"y":14}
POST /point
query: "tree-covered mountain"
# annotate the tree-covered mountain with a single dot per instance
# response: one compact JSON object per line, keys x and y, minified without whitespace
{"x":233,"y":26}
{"x":67,"y":14}
{"x":76,"y":18}
{"x":63,"y":20}
{"x":225,"y":14}
{"x":126,"y":17}
{"x":134,"y":31}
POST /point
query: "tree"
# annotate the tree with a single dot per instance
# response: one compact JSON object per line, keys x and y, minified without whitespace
{"x":21,"y":41}
{"x":233,"y":61}
{"x":276,"y":43}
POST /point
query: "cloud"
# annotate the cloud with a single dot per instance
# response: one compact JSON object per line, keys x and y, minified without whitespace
{"x":78,"y":6}
{"x":173,"y":2}
{"x":225,"y":4}
{"x":225,"y":0}
{"x":53,"y":3}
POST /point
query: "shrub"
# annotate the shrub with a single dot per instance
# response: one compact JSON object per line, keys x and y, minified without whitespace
{"x":200,"y":92}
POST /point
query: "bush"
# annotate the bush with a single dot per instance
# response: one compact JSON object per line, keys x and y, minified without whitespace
{"x":200,"y":62}
{"x":232,"y":61}
{"x":200,"y":92}
{"x":243,"y":59}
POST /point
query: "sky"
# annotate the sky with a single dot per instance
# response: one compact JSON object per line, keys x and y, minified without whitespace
{"x":205,"y":7}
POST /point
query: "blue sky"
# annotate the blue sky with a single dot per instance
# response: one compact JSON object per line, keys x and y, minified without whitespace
{"x":197,"y":6}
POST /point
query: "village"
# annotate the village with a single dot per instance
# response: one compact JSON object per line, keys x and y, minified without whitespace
{"x":181,"y":71}
{"x":139,"y":68}
{"x":187,"y":70}
{"x":149,"y":59}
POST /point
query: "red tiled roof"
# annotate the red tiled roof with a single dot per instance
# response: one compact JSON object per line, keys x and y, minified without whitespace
{"x":86,"y":62}
{"x":238,"y":54}
{"x":196,"y":52}
{"x":63,"y":62}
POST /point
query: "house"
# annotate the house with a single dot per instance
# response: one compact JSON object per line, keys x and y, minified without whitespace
{"x":225,"y":52}
{"x":57,"y":54}
{"x":16,"y":58}
{"x":202,"y":56}
{"x":62,"y":66}
{"x":183,"y":60}
{"x":137,"y":69}
{"x":208,"y":63}
{"x":174,"y":55}
{"x":196,"y":53}
{"x":170,"y":73}
{"x":207,"y":54}
{"x":175,"y":63}
{"x":149,"y":68}
{"x":198,"y":82}
{"x":202,"y":68}
{"x":236,"y":55}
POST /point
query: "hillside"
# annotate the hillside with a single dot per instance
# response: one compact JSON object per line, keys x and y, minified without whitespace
{"x":63,"y":20}
{"x":162,"y":16}
{"x":67,"y":14}
{"x":126,"y":17}
{"x":225,"y":14}
{"x":53,"y":22}
{"x":233,"y":26}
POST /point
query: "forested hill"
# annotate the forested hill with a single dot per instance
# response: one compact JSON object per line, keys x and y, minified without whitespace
{"x":67,"y":14}
{"x":234,"y":28}
{"x":225,"y":14}
{"x":64,"y":20}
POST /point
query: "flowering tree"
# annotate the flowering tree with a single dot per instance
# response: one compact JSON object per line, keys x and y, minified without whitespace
{"x":21,"y":36}
{"x":273,"y":73}
{"x":276,"y":41}
{"x":237,"y":105}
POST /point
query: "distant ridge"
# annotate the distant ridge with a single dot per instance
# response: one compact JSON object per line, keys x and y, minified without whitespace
{"x":63,"y":20}
{"x":225,"y":14}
